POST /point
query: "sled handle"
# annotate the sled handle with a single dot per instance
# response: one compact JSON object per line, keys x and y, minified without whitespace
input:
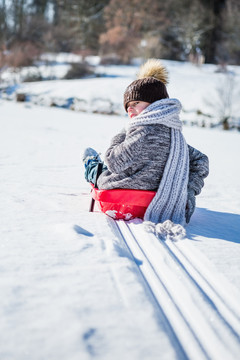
{"x":99,"y":171}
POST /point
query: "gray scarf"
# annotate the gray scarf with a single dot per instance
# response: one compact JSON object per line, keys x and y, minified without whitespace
{"x":170,"y":200}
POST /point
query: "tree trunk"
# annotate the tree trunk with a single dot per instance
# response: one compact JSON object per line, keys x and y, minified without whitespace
{"x":214,"y":35}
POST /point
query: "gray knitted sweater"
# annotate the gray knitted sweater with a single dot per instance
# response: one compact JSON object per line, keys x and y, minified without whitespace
{"x":136,"y":160}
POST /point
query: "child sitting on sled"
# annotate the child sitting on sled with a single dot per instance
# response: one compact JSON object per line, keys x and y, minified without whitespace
{"x":152,"y":154}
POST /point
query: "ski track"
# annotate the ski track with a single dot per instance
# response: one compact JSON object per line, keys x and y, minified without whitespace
{"x":201,"y":312}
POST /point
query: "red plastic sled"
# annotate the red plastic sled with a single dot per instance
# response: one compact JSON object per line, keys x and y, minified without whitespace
{"x":123,"y":204}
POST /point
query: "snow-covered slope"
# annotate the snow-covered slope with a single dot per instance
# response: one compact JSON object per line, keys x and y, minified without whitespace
{"x":206,"y":94}
{"x":70,"y":288}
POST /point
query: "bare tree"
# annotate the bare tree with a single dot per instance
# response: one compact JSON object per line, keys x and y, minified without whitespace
{"x":225,"y":101}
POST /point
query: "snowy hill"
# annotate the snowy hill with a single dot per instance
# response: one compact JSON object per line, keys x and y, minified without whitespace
{"x":70,"y":288}
{"x":205,"y":93}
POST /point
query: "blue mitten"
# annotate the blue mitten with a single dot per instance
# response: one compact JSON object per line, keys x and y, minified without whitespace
{"x":90,"y":154}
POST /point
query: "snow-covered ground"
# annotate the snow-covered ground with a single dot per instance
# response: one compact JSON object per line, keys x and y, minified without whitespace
{"x":69,"y":287}
{"x":205,"y":93}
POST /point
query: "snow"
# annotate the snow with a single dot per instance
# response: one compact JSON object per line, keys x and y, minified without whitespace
{"x":69,"y":287}
{"x":219,"y":204}
{"x":201,"y":90}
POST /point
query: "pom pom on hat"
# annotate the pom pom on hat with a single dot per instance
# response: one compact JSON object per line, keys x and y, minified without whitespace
{"x":150,"y":85}
{"x":155,"y":69}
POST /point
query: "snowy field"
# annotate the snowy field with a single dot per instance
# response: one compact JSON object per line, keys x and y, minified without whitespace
{"x":205,"y":93}
{"x":69,"y":287}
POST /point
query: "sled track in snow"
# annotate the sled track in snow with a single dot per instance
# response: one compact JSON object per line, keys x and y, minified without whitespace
{"x":203,"y":317}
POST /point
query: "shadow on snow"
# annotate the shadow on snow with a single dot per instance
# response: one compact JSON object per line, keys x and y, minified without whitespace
{"x":214,"y":224}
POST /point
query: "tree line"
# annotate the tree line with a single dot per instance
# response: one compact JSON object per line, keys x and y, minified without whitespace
{"x":119,"y":30}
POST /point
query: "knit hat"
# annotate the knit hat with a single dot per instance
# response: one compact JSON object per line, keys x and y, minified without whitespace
{"x":150,"y":85}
